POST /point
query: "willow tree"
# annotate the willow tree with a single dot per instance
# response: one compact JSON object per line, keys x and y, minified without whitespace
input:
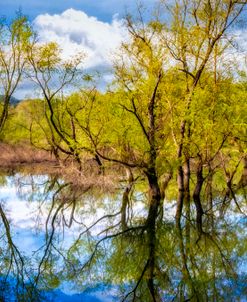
{"x":54,"y":77}
{"x":14,"y":39}
{"x":180,"y":52}
{"x":159,"y":79}
{"x":196,"y":37}
{"x":137,"y":107}
{"x":135,"y":127}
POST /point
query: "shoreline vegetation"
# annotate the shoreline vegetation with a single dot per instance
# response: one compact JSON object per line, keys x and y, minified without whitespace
{"x":18,"y":157}
{"x":29,"y":160}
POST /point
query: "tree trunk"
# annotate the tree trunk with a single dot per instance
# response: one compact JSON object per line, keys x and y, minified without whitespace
{"x":154,"y":197}
{"x":180,"y":200}
{"x":197,"y":197}
{"x":243,"y":181}
{"x":4,"y":113}
{"x":125,"y":199}
{"x":180,"y":173}
{"x":154,"y":205}
{"x":187,"y":202}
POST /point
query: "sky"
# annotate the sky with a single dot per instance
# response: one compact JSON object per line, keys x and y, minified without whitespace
{"x":94,"y":27}
{"x":102,"y":9}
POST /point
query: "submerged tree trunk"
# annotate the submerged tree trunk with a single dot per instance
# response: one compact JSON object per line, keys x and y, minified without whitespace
{"x":163,"y":183}
{"x":209,"y":196}
{"x":197,"y":197}
{"x":154,"y":197}
{"x":125,"y":199}
{"x":180,"y":199}
{"x":180,"y":173}
{"x":187,"y":183}
{"x":187,"y":202}
{"x":154,"y":206}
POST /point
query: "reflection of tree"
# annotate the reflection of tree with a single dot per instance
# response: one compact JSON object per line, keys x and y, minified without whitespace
{"x":13,"y":267}
{"x":18,"y":276}
{"x":179,"y":274}
{"x":157,"y":260}
{"x":145,"y":259}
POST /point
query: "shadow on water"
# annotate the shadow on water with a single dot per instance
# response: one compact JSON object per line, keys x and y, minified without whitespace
{"x":61,"y":242}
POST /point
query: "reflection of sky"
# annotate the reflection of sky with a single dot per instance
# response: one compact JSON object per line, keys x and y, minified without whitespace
{"x":28,"y":234}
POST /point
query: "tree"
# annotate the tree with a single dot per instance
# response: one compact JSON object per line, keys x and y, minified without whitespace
{"x":53,"y":76}
{"x":194,"y":37}
{"x":14,"y":39}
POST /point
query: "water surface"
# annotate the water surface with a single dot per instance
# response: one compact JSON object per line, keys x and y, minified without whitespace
{"x":61,"y":242}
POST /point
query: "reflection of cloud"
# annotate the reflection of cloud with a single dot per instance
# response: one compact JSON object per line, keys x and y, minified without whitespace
{"x":75,"y":31}
{"x":21,"y":213}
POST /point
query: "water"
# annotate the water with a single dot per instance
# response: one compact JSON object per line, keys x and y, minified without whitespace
{"x":61,"y":242}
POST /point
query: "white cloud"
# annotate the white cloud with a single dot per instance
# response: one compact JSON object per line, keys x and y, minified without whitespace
{"x":240,"y":55}
{"x":75,"y":31}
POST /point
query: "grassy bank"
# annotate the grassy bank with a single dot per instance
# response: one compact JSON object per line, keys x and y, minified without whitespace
{"x":28,"y":160}
{"x":16,"y":157}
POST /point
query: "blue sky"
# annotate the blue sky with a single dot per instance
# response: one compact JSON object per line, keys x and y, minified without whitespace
{"x":102,"y":9}
{"x":94,"y":27}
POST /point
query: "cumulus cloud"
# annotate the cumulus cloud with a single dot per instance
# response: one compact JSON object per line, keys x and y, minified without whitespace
{"x":75,"y":31}
{"x":241,"y":54}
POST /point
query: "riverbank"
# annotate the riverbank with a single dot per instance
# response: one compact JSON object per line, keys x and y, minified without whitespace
{"x":21,"y":157}
{"x":28,"y":160}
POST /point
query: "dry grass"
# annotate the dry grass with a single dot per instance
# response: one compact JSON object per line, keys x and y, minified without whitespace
{"x":90,"y":178}
{"x":28,"y":160}
{"x":18,"y":157}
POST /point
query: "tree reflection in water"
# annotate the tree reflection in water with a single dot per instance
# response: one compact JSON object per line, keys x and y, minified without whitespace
{"x":91,"y":238}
